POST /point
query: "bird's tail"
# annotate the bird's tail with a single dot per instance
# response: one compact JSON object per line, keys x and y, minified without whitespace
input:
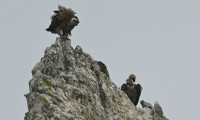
{"x":48,"y":29}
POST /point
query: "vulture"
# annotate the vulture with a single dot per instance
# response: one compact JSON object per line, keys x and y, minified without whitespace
{"x":132,"y":90}
{"x":63,"y":21}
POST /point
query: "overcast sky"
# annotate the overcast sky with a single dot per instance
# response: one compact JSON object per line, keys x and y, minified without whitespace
{"x":158,"y":40}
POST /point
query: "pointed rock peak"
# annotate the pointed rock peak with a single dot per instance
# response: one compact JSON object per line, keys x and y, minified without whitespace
{"x":69,"y":84}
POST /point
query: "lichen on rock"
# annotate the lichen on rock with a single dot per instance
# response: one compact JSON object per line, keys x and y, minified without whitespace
{"x":68,"y":84}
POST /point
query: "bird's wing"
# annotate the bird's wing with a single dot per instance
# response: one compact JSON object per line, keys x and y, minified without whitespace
{"x":138,"y":89}
{"x":123,"y":87}
{"x":54,"y":23}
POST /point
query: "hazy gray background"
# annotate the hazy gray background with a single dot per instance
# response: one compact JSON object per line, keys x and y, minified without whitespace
{"x":158,"y":40}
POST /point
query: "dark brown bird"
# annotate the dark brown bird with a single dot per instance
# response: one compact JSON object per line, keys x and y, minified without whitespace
{"x":103,"y":68}
{"x":63,"y":21}
{"x":133,"y":91}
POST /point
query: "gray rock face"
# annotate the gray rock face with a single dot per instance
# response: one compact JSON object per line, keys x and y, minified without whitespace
{"x":151,"y":113}
{"x":68,"y":84}
{"x":146,"y":104}
{"x":158,"y":110}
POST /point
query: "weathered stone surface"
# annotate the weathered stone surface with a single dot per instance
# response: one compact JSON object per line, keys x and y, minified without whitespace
{"x":158,"y":111}
{"x":68,"y":84}
{"x":146,"y":104}
{"x":148,"y":112}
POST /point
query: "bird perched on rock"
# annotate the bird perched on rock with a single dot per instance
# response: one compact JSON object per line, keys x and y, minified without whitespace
{"x":103,"y":68}
{"x":133,"y":91}
{"x":63,"y":21}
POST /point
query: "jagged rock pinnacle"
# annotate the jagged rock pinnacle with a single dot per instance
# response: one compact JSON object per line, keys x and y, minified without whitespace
{"x":68,"y":84}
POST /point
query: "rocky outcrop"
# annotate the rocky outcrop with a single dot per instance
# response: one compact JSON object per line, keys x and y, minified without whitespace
{"x":68,"y":84}
{"x":148,"y":112}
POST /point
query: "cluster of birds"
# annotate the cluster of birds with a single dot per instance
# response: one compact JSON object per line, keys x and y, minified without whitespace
{"x":63,"y":21}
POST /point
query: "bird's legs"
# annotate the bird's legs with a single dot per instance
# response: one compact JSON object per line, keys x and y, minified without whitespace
{"x":63,"y":36}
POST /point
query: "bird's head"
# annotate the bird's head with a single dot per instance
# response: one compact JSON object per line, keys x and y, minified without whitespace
{"x":74,"y":21}
{"x":132,"y":77}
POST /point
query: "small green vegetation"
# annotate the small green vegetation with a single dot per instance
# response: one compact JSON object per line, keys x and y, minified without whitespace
{"x":48,"y":83}
{"x":107,"y":83}
{"x":127,"y":118}
{"x":55,"y":103}
{"x":83,"y":113}
{"x":92,"y":115}
{"x":44,"y":100}
{"x":84,"y":100}
{"x":159,"y":115}
{"x":113,"y":98}
{"x":88,"y":114}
